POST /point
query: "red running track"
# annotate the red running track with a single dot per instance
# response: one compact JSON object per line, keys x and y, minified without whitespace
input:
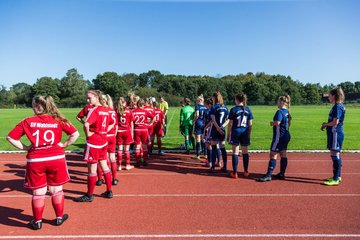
{"x":176,"y":198}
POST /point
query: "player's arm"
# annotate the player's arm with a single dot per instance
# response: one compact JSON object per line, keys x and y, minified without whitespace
{"x":229,"y":130}
{"x":333,"y":123}
{"x":87,"y":131}
{"x":71,"y":139}
{"x":18,"y":144}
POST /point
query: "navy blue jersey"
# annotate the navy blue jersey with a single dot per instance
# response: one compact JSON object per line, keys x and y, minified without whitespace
{"x":337,"y":111}
{"x":221,"y":113}
{"x":201,"y":109}
{"x":282,"y":115}
{"x":207,"y":117}
{"x":240,"y":116}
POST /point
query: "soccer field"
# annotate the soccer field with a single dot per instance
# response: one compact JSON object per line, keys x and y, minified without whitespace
{"x":305,"y":127}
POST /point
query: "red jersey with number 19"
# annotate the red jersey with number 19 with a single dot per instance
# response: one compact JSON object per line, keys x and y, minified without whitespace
{"x":44,"y":133}
{"x":99,"y":119}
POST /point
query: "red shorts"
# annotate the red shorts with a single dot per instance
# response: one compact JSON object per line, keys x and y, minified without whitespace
{"x":158,"y":130}
{"x":141,"y":136}
{"x":111,"y":144}
{"x":46,"y":173}
{"x":94,"y":153}
{"x":124,"y":137}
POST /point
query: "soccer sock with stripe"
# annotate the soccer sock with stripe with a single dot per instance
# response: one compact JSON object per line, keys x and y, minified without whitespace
{"x":137,"y":155}
{"x":38,"y":206}
{"x":113,"y":170}
{"x":336,"y":167}
{"x":245,"y":157}
{"x":187,"y":144}
{"x":127,"y":157}
{"x":214,"y":151}
{"x":224,"y":156}
{"x":283,"y":165}
{"x":91,"y":183}
{"x":119,"y":157}
{"x":57,"y":200}
{"x":209,"y":155}
{"x":197,"y":148}
{"x":271,"y":167}
{"x":235,"y":162}
{"x":108,"y":182}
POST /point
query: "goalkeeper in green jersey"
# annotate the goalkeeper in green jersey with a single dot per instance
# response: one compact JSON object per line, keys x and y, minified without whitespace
{"x":186,"y":123}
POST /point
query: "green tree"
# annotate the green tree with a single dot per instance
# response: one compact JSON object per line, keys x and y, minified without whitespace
{"x":23,"y":96}
{"x":72,"y":88}
{"x":6,"y":98}
{"x":47,"y":86}
{"x":111,"y":83}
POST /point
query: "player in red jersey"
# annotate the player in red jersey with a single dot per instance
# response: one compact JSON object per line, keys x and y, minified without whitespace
{"x":84,"y":112}
{"x":124,"y":133}
{"x":96,"y":128}
{"x":111,"y":136}
{"x":159,"y":125}
{"x":141,"y":133}
{"x":148,"y":107}
{"x":46,"y":167}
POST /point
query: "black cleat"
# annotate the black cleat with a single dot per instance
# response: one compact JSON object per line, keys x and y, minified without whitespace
{"x":35,"y":225}
{"x":264,"y":179}
{"x":137,"y":164}
{"x":61,"y":220}
{"x":85,"y":198}
{"x":145,"y":163}
{"x":107,"y":194}
{"x":99,"y":182}
{"x":280,"y":176}
{"x":212,"y":170}
{"x":115,"y":182}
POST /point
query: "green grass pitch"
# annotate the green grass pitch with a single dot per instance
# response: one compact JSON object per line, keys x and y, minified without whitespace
{"x":305,"y":127}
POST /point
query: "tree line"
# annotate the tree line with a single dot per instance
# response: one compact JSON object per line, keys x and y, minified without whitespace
{"x":261,"y":88}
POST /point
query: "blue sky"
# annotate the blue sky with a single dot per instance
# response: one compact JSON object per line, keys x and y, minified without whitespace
{"x":316,"y":41}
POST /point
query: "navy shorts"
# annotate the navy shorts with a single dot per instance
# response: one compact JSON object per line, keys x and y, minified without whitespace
{"x":216,"y":136}
{"x":240,"y":136}
{"x":335,"y":140}
{"x":280,"y":144}
{"x":199,"y":128}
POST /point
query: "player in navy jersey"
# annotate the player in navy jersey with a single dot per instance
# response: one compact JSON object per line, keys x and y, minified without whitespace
{"x":219,"y":118}
{"x":335,"y":133}
{"x":206,"y":137}
{"x":239,"y":131}
{"x":199,"y":123}
{"x":281,"y":138}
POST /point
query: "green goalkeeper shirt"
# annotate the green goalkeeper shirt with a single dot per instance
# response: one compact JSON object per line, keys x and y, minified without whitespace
{"x":187,"y":116}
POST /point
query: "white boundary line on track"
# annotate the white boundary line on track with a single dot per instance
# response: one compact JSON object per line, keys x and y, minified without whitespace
{"x":192,"y":151}
{"x":222,"y":195}
{"x":186,"y":236}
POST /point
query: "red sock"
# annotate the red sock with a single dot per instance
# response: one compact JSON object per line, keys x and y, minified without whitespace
{"x":108,"y":182}
{"x":91,"y":183}
{"x":99,"y":172}
{"x":113,"y":170}
{"x":38,"y":205}
{"x":127,"y":157}
{"x":119,"y":156}
{"x":57,"y":200}
{"x":159,"y":143}
{"x":137,"y":155}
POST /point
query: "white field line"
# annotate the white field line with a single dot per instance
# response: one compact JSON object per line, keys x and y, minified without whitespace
{"x":170,"y":120}
{"x":335,"y":236}
{"x":294,"y":175}
{"x":215,"y":195}
{"x":192,"y":151}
